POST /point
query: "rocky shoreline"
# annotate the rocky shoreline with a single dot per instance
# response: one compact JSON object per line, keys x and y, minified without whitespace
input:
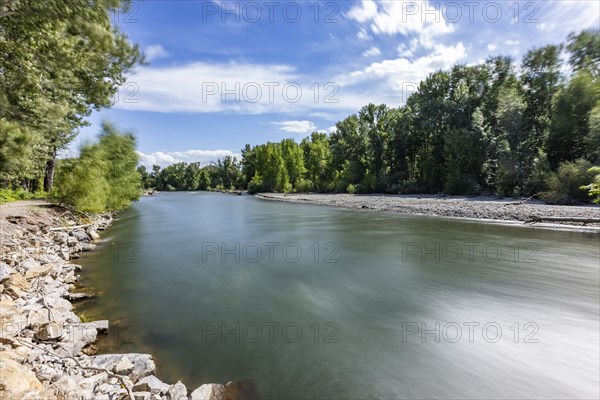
{"x":46,"y":350}
{"x":483,"y":208}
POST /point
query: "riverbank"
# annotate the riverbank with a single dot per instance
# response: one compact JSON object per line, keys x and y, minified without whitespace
{"x":483,"y":208}
{"x":46,"y":350}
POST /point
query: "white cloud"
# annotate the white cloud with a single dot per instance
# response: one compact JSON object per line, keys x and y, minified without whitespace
{"x":236,"y":88}
{"x":302,"y":127}
{"x":372,"y":52}
{"x":402,"y":17}
{"x":366,"y":11}
{"x":403,"y":70}
{"x":167,"y":158}
{"x":510,"y":42}
{"x":332,"y":129}
{"x":363,"y":35}
{"x":155,"y":52}
{"x":491,"y":47}
{"x":562,"y":17}
{"x":392,"y":81}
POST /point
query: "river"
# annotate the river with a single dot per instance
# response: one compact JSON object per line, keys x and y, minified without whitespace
{"x":314,"y":302}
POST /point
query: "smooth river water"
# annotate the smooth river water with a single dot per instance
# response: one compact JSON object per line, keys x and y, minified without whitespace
{"x":315,"y":302}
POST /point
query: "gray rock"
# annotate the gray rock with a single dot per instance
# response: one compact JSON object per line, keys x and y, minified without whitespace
{"x":93,"y":234}
{"x":5,"y":271}
{"x":142,"y":396}
{"x":61,"y":237}
{"x":91,"y":382}
{"x":80,"y":235}
{"x":177,"y":391}
{"x":107,"y":388}
{"x":85,"y":333}
{"x":65,"y":253}
{"x":39,"y":270}
{"x":11,"y":320}
{"x":58,"y":303}
{"x":209,"y":391}
{"x":143,"y":364}
{"x":124,"y":367}
{"x":49,"y":257}
{"x":28,"y":264}
{"x":70,"y":278}
{"x":68,"y":387}
{"x":151,"y":384}
{"x":47,"y":373}
{"x":49,"y":331}
{"x":87,"y":246}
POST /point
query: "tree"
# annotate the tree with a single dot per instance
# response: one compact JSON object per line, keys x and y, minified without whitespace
{"x":540,"y":78}
{"x":82,"y":182}
{"x":584,"y":50}
{"x":463,"y":152}
{"x":514,"y":159}
{"x":293,"y":157}
{"x":59,"y":60}
{"x":317,"y":156}
{"x":429,"y":105}
{"x":569,"y":126}
{"x":104,"y":177}
{"x":374,"y":127}
{"x":592,"y":139}
{"x":248,"y":163}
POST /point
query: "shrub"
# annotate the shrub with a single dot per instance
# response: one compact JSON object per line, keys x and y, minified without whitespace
{"x":104,"y":177}
{"x":594,"y":187}
{"x":536,"y":182}
{"x":8,"y":195}
{"x":565,"y":185}
{"x":255,"y":184}
{"x":304,"y":185}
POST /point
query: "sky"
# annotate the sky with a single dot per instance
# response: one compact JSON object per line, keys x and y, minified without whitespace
{"x":221,"y":74}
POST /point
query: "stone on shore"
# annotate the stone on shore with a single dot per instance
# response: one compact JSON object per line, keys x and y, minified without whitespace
{"x":209,"y":391}
{"x":177,"y":391}
{"x":6,"y":271}
{"x":93,"y":234}
{"x":11,"y":320}
{"x":143,"y":364}
{"x":19,"y":383}
{"x":151,"y":384}
{"x":49,"y":331}
{"x":39,"y":270}
{"x":17,"y":284}
{"x":80,"y":235}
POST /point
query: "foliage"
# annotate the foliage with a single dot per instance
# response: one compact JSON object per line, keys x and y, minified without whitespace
{"x":103,"y":177}
{"x":571,"y":111}
{"x":594,"y":187}
{"x":8,"y":195}
{"x":565,"y":185}
{"x":59,"y":61}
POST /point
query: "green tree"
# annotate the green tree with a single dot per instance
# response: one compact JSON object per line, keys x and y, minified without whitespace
{"x":81,"y":182}
{"x":317,"y":156}
{"x":540,"y":78}
{"x":293,"y":157}
{"x":104,"y":177}
{"x":571,"y":110}
{"x":514,"y":159}
{"x":592,"y":139}
{"x":584,"y":49}
{"x":59,"y":60}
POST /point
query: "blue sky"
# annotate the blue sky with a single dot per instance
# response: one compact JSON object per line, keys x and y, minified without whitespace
{"x":225,"y":73}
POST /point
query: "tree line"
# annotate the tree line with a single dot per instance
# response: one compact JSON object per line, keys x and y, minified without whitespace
{"x":59,"y":61}
{"x":495,"y":127}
